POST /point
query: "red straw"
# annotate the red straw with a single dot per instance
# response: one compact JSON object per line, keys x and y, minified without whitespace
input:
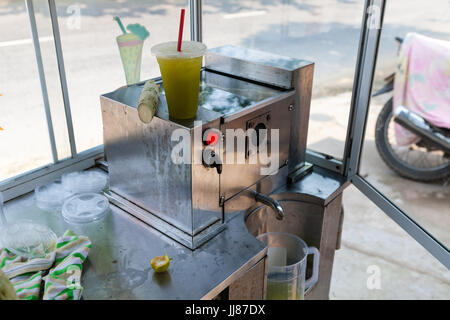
{"x":180,"y":31}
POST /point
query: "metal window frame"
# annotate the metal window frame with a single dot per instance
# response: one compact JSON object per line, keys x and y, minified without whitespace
{"x":324,"y":161}
{"x":195,"y":9}
{"x":62,"y":75}
{"x":362,"y":89}
{"x":364,"y":76}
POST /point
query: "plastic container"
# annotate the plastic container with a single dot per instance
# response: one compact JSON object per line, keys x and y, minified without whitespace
{"x":28,"y":239}
{"x":287,"y":258}
{"x":85,"y":208}
{"x":51,"y":196}
{"x":84,"y":181}
{"x":180,"y":72}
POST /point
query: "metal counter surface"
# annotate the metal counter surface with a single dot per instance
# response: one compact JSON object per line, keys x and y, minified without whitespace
{"x":118,"y":265}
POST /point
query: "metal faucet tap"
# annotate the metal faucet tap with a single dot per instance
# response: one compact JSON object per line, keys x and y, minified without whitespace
{"x":272,"y":203}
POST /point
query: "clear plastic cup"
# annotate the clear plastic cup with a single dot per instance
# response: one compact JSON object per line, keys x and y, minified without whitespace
{"x":130,"y":47}
{"x":180,"y":72}
{"x":287,"y":258}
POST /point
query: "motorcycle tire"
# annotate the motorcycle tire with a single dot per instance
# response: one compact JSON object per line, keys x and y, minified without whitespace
{"x":393,"y":161}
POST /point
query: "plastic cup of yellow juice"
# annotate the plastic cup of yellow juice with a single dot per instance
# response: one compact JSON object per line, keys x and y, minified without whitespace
{"x":180,"y":72}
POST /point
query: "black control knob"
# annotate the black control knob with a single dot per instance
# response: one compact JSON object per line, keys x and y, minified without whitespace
{"x":212,"y":160}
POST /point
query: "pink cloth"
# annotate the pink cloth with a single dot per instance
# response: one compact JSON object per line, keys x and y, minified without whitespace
{"x":422,"y":82}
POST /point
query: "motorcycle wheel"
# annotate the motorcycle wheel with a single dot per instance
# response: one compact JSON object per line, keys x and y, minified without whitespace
{"x":413,"y":162}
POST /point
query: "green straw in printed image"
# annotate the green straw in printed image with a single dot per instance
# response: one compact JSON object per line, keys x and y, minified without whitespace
{"x":130,"y":47}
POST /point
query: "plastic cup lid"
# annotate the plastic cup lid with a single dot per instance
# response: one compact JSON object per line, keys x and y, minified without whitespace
{"x":28,"y":239}
{"x":84,"y":181}
{"x":51,"y":196}
{"x":85,"y":207}
{"x":189,"y":49}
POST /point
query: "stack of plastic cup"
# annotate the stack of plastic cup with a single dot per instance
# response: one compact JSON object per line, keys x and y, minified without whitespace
{"x":78,"y":196}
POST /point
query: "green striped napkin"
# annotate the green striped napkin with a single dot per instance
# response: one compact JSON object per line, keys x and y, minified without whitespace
{"x":61,"y":282}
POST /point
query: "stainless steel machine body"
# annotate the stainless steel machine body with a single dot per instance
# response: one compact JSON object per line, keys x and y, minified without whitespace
{"x":240,"y":89}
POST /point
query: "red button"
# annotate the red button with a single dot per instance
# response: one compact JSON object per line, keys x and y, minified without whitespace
{"x":212,"y":137}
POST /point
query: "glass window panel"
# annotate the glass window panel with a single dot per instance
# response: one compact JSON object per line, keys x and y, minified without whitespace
{"x":427,"y":203}
{"x":24,"y":141}
{"x":91,"y":56}
{"x":325,"y":32}
{"x":373,"y":247}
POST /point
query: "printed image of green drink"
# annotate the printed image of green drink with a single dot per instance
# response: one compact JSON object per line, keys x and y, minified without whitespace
{"x":180,"y":72}
{"x":130,"y":47}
